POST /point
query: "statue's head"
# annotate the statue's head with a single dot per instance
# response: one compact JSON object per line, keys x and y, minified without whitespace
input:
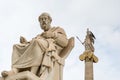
{"x":88,"y":32}
{"x":45,"y":21}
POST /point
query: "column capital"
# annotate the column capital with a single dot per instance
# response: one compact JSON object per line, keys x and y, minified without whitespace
{"x":88,"y":56}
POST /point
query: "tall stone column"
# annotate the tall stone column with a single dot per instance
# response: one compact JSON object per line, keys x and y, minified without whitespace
{"x":89,"y":59}
{"x":88,"y":70}
{"x":88,"y":55}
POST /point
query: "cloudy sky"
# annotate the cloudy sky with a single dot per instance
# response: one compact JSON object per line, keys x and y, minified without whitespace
{"x":102,"y":17}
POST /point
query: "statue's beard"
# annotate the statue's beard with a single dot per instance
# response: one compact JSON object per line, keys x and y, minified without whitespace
{"x":45,"y":27}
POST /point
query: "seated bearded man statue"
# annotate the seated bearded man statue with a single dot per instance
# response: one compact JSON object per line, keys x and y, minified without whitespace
{"x":38,"y":54}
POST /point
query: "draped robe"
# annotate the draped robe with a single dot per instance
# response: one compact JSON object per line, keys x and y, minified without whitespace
{"x":32,"y":53}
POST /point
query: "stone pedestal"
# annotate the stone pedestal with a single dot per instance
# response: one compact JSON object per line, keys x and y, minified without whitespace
{"x":89,"y":70}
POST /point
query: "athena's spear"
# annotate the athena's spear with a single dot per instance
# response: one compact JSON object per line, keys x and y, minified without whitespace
{"x":79,"y":40}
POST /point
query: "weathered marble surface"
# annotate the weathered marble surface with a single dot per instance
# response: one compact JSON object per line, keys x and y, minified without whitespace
{"x":43,"y":57}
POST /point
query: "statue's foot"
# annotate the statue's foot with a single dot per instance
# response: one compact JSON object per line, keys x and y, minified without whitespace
{"x":4,"y":73}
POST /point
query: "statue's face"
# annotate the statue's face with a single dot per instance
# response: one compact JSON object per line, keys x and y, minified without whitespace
{"x":45,"y":22}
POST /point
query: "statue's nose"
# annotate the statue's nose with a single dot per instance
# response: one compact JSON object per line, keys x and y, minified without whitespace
{"x":44,"y":19}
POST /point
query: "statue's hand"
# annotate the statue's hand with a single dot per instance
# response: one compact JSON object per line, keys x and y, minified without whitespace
{"x":48,"y":34}
{"x":23,"y":40}
{"x":82,"y":43}
{"x":4,"y":73}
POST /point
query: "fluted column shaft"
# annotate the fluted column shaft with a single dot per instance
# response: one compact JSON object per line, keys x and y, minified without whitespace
{"x":88,"y":70}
